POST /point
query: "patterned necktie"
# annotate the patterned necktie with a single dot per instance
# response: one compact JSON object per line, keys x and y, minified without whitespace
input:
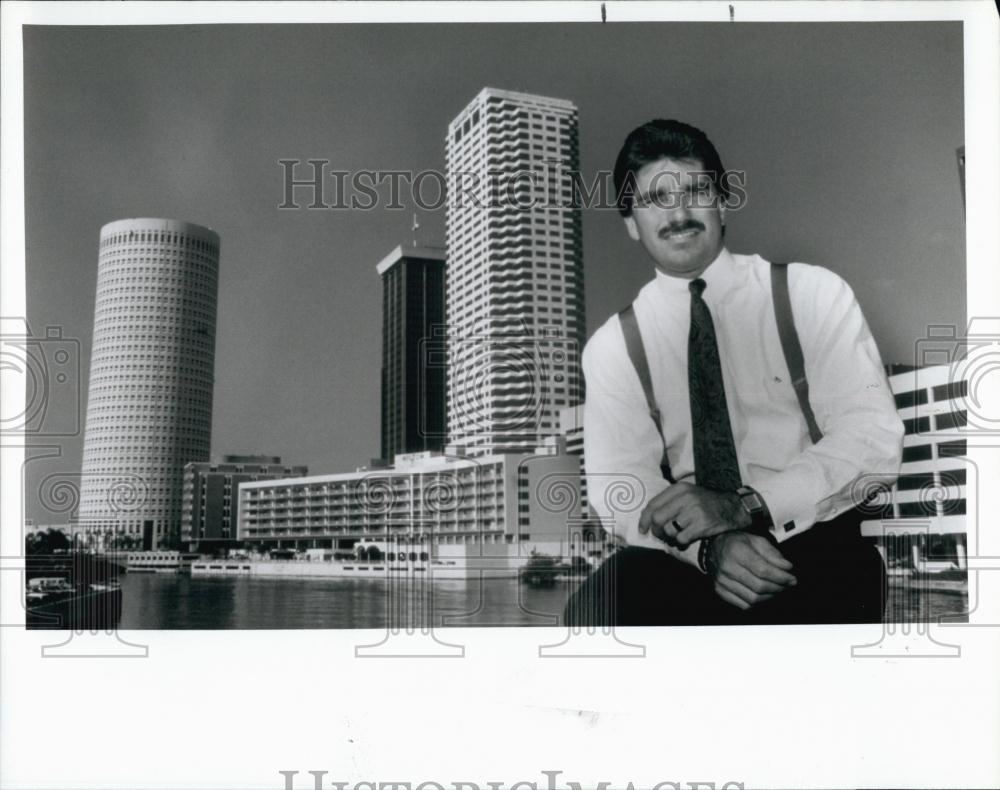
{"x":715,"y":462}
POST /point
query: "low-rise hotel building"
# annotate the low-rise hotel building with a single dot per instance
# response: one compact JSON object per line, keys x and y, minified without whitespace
{"x":503,"y":506}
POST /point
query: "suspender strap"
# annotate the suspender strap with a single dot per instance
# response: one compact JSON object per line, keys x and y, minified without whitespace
{"x":637,"y":353}
{"x":790,"y":345}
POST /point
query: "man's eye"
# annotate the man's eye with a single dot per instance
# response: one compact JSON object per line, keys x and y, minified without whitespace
{"x":660,"y":199}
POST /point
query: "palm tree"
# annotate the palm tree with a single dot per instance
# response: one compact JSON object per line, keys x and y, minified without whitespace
{"x":48,"y":542}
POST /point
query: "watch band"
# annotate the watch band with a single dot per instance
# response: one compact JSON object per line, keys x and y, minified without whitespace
{"x":760,"y":517}
{"x":703,"y":549}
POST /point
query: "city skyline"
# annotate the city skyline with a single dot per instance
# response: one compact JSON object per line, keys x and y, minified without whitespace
{"x":298,"y":345}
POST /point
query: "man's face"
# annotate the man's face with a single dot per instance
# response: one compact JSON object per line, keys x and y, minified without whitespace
{"x":677,"y":216}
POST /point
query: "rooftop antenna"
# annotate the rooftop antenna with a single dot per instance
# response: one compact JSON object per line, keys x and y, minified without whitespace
{"x":415,"y":228}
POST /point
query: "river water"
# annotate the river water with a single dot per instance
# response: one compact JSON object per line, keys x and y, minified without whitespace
{"x":180,"y":601}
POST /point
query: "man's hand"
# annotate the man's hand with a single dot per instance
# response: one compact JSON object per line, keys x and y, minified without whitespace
{"x":747,"y":569}
{"x":684,"y":513}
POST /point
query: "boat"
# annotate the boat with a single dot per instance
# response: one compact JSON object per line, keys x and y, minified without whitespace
{"x":44,"y":587}
{"x":55,"y":602}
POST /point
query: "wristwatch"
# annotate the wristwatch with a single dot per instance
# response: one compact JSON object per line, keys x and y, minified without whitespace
{"x":760,"y":517}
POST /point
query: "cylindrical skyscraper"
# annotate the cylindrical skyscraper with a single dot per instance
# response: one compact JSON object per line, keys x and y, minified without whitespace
{"x":149,"y":409}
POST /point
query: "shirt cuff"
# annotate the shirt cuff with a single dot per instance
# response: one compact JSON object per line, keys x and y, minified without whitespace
{"x":650,"y":541}
{"x":688,"y":555}
{"x":790,"y":511}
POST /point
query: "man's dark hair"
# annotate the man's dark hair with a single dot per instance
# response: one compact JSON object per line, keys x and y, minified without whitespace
{"x":661,"y":139}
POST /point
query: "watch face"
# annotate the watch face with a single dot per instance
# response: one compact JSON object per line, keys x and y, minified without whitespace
{"x":752,"y":501}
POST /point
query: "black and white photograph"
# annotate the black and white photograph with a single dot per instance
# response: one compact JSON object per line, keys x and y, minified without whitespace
{"x":639,"y":334}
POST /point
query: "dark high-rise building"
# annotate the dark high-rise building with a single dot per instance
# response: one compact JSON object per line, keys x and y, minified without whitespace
{"x":413,"y":391}
{"x":208,"y":507}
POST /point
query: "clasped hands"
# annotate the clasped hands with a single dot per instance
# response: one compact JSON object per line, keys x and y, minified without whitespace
{"x":746,"y":568}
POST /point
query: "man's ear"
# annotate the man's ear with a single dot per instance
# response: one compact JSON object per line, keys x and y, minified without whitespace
{"x":722,"y":213}
{"x":632,"y":228}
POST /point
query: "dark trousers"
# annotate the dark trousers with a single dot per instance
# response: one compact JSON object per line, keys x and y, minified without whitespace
{"x":841,"y":579}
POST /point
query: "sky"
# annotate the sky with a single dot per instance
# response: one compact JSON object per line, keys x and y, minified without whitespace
{"x":847,"y":133}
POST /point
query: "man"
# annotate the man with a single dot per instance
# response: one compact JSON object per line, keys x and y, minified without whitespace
{"x":743,"y":511}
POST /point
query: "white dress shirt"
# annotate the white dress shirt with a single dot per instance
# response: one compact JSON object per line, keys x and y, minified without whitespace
{"x":801,"y":483}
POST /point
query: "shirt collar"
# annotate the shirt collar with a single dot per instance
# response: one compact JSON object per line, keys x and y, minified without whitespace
{"x":722,"y":275}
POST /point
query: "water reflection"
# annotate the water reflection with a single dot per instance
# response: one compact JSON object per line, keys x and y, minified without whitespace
{"x":179,"y":601}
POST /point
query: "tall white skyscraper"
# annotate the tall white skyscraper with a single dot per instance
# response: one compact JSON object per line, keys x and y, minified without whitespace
{"x":514,"y":296}
{"x":149,"y":408}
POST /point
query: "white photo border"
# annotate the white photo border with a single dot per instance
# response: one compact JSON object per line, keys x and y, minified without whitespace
{"x":787,"y":707}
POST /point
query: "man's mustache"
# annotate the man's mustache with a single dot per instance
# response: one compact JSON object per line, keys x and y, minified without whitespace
{"x":680,"y":227}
